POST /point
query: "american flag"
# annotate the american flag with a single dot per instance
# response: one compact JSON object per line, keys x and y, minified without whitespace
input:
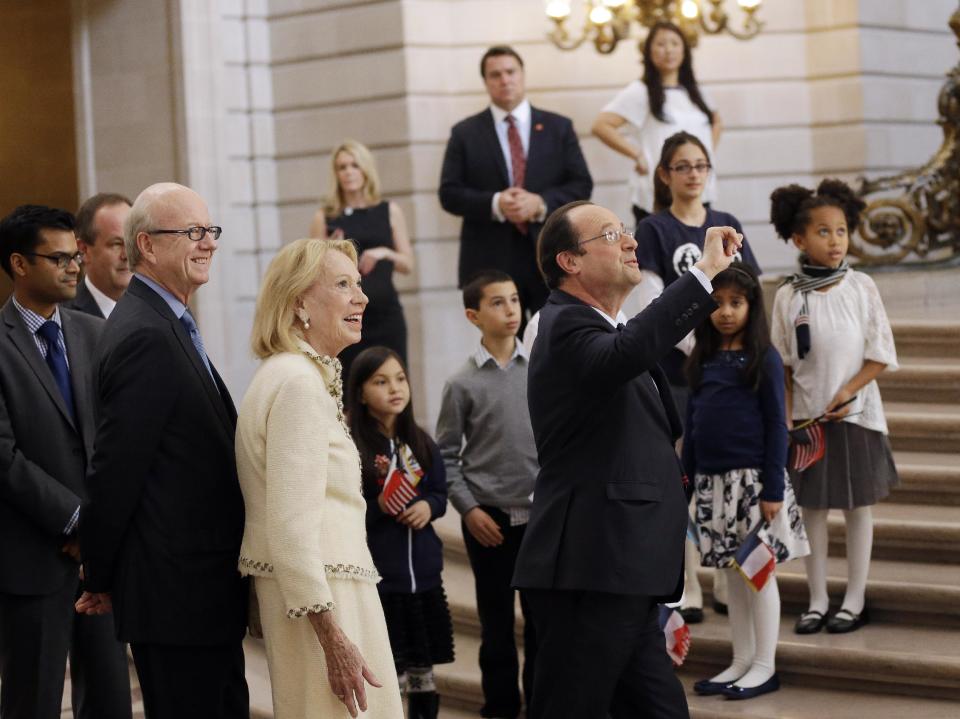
{"x":809,"y":446}
{"x":400,"y":487}
{"x":755,"y":559}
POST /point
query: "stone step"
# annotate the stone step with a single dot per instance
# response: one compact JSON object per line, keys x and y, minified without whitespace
{"x":907,"y":532}
{"x":870,"y":686}
{"x":796,"y":701}
{"x":923,"y":427}
{"x":879,"y":658}
{"x":926,"y":338}
{"x":923,"y":380}
{"x":927,"y":478}
{"x":897,"y":592}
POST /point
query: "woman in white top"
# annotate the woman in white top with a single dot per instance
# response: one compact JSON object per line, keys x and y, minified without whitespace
{"x":305,"y":542}
{"x":664,"y":101}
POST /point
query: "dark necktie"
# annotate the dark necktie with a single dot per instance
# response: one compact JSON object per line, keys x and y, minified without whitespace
{"x":190,"y":325}
{"x":518,"y":161}
{"x":57,"y":362}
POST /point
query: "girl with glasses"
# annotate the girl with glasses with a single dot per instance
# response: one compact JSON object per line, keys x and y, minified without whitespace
{"x":664,"y":100}
{"x":669,"y":242}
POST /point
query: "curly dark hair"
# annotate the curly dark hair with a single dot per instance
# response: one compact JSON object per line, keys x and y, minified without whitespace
{"x":651,"y":76}
{"x":790,"y":206}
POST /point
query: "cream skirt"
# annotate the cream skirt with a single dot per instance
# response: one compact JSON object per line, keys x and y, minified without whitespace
{"x":298,"y":670}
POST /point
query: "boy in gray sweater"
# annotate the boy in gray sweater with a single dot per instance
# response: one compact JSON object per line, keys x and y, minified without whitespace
{"x":487,"y":445}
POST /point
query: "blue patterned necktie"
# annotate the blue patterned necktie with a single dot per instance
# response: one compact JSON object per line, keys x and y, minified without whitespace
{"x":190,"y":325}
{"x":57,"y":362}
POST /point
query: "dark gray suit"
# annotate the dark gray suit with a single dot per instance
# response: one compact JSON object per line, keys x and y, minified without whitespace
{"x":44,"y":455}
{"x":84,"y":301}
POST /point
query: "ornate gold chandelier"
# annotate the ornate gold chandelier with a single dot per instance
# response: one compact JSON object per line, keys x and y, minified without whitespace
{"x":610,"y":21}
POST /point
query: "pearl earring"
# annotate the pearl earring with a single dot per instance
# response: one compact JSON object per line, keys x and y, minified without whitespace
{"x":304,"y":318}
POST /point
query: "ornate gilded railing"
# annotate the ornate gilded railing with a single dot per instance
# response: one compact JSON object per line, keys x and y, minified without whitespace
{"x":914,"y":218}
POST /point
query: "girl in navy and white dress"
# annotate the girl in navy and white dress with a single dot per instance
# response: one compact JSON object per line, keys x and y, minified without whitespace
{"x":405,"y":549}
{"x":735,"y":448}
{"x":830,"y":326}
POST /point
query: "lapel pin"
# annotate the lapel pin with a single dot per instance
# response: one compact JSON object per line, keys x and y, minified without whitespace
{"x":538,"y":127}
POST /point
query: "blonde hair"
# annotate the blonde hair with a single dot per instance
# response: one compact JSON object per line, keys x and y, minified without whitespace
{"x":333,"y":203}
{"x":291,"y":273}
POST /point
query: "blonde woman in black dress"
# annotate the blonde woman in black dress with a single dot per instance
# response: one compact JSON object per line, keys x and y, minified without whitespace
{"x":355,"y":210}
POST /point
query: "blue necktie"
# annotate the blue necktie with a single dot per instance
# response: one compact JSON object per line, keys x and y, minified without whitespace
{"x":190,"y":325}
{"x":57,"y":362}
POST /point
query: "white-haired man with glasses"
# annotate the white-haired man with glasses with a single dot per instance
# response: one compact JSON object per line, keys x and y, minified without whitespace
{"x":161,"y":531}
{"x":604,"y":544}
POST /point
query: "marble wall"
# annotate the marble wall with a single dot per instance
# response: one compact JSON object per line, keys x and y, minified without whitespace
{"x":830,"y":87}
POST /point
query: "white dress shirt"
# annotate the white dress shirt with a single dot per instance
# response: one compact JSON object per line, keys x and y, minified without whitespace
{"x":521,"y":115}
{"x":105,"y":303}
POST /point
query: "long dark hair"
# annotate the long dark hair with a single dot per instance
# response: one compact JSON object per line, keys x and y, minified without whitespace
{"x":363,"y":426}
{"x":662,"y":197}
{"x":651,"y":75}
{"x":756,"y":336}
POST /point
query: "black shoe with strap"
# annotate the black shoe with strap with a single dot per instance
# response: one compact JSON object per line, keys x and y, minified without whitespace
{"x":846,"y":621}
{"x":810,"y":622}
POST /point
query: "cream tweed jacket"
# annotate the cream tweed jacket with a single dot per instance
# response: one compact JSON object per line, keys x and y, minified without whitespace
{"x":300,"y":476}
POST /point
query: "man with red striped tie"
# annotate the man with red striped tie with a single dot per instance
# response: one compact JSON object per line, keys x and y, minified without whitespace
{"x":505,"y":169}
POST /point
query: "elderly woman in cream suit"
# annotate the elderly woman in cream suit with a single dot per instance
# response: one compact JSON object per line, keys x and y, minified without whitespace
{"x":305,"y":541}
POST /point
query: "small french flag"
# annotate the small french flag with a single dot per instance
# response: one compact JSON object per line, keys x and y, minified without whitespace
{"x":676,"y":632}
{"x":755,"y":559}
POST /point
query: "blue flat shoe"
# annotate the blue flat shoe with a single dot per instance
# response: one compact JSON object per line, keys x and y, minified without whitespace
{"x":706,"y":688}
{"x":732,"y":691}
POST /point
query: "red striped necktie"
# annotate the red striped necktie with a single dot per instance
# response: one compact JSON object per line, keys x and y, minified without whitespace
{"x":518,"y":161}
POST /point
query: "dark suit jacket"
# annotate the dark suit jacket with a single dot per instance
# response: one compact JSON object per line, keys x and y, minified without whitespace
{"x":474,"y":169}
{"x":43,"y":452}
{"x":84,"y":301}
{"x":609,"y":510}
{"x":163,"y":524}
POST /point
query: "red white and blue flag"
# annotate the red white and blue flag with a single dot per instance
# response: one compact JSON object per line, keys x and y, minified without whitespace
{"x":400,"y":487}
{"x":809,"y":446}
{"x":755,"y":560}
{"x":676,"y":632}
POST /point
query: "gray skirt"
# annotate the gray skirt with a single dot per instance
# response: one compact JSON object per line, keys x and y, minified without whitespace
{"x":857,"y":470}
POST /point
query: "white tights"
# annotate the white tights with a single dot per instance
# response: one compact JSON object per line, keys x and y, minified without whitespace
{"x":754,"y":626}
{"x":859,"y":523}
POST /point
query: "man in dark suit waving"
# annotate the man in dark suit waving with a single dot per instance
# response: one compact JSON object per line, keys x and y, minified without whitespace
{"x":504,"y":170}
{"x":46,"y":441}
{"x":161,"y":531}
{"x":605,"y":539}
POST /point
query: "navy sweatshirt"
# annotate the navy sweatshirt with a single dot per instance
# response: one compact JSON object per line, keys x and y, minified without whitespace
{"x":409,"y":561}
{"x":729,"y":426}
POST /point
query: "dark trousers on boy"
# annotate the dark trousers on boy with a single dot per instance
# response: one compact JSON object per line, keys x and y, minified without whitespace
{"x":499,"y":663}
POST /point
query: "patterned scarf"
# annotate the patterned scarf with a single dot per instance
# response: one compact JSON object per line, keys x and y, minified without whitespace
{"x":810,"y":278}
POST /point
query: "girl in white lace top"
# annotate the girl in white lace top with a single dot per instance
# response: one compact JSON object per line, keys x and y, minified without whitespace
{"x":831,"y":329}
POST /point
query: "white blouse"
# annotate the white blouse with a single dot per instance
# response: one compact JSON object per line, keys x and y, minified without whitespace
{"x":848,"y":326}
{"x":649,"y":133}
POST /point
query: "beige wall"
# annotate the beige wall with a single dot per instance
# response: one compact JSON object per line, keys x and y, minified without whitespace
{"x":835,"y":87}
{"x":37,"y":154}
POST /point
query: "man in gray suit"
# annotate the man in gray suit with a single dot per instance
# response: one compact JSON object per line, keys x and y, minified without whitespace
{"x":46,"y":441}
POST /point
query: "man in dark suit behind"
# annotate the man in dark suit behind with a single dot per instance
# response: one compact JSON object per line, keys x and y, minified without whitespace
{"x":46,"y":441}
{"x":504,"y":170}
{"x":162,"y":528}
{"x":605,"y":539}
{"x":106,"y":272}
